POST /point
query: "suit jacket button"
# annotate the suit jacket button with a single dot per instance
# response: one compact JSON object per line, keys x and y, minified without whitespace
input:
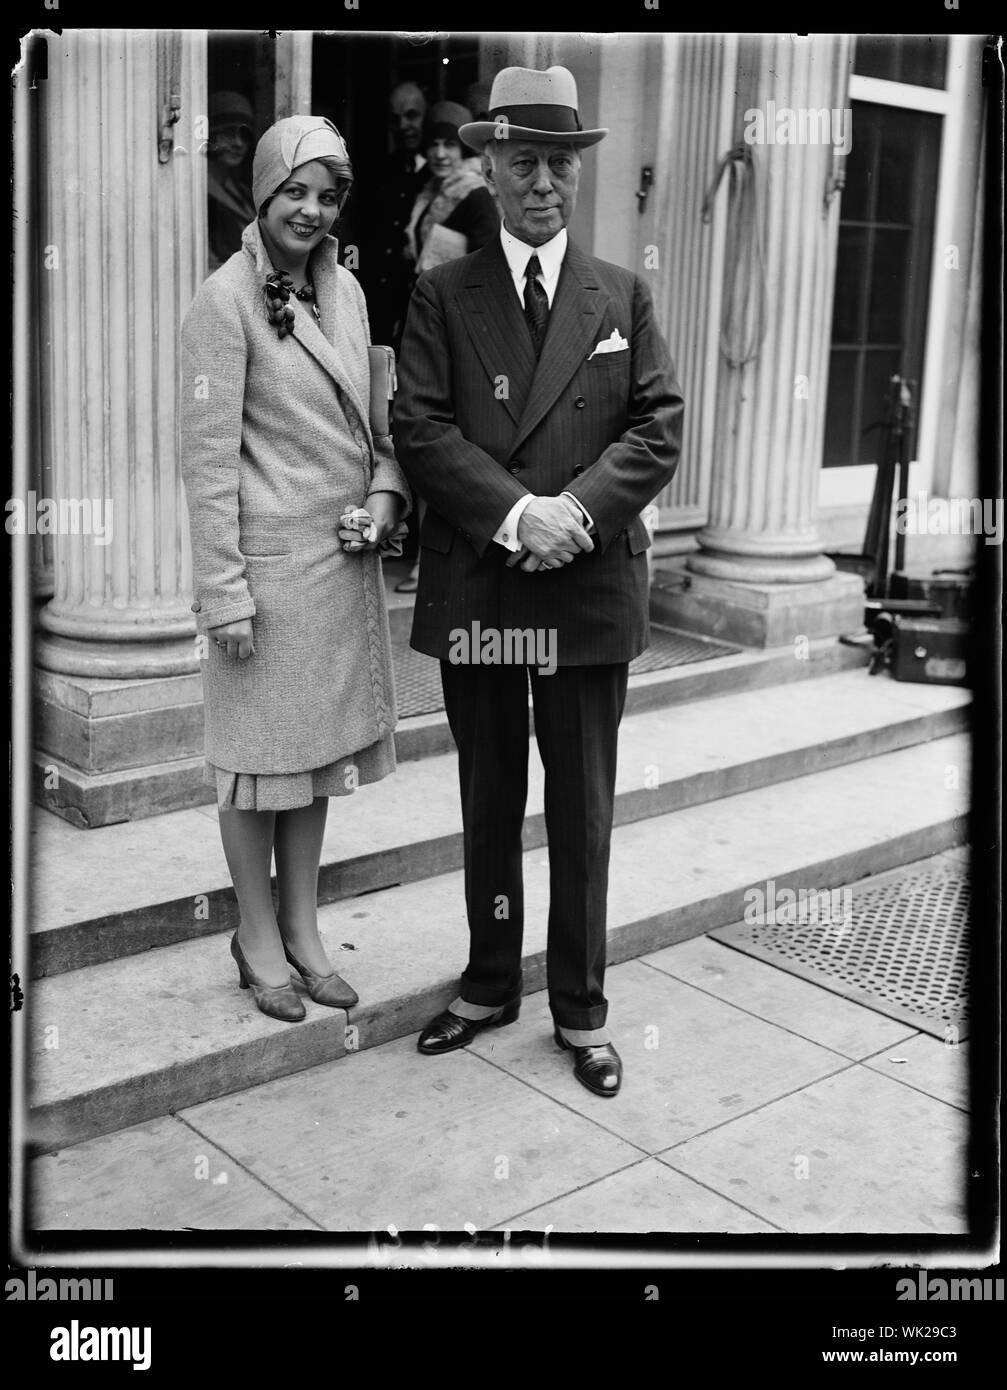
{"x":196,"y":608}
{"x":580,"y":402}
{"x":578,"y":470}
{"x":516,"y":468}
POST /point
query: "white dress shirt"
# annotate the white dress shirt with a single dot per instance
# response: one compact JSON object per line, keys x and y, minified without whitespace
{"x":550,"y":259}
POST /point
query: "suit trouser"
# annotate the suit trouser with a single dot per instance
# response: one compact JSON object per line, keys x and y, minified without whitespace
{"x":577,"y":714}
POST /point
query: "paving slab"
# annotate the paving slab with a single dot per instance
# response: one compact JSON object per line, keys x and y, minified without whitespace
{"x":691,"y":1061}
{"x":854,"y":1153}
{"x":939,"y":1069}
{"x":388,"y":1137}
{"x":158,"y":1176}
{"x":154,"y":1032}
{"x":644,"y":1198}
{"x":120,"y":1043}
{"x":779,"y":997}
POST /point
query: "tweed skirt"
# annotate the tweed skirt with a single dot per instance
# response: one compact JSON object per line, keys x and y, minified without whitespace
{"x":287,"y":791}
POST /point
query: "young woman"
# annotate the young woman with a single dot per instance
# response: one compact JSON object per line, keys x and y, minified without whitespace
{"x":276,"y":447}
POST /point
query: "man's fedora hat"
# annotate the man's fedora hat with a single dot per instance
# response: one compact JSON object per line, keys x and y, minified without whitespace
{"x":526,"y":104}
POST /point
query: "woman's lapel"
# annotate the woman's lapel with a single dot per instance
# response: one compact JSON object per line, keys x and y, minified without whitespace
{"x":336,"y":306}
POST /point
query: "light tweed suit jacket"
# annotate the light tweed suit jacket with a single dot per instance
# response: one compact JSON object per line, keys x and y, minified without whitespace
{"x":478,"y":423}
{"x":276,"y":444}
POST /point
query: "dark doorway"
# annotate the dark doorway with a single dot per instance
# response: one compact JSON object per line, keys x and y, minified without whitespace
{"x":352,"y":77}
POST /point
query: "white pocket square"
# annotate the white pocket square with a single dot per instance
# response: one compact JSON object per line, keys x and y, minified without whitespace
{"x":615,"y":343}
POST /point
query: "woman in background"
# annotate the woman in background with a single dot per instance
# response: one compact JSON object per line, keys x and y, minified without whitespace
{"x":229,"y":206}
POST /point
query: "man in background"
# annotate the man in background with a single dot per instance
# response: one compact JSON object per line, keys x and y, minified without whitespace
{"x":385,"y":271}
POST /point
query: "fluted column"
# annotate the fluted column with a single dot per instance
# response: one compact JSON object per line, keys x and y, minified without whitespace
{"x":770,"y":412}
{"x":697,"y":110}
{"x":122,"y":245}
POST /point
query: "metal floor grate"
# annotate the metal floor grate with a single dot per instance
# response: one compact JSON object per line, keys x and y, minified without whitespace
{"x":902,"y":950}
{"x":418,"y":677}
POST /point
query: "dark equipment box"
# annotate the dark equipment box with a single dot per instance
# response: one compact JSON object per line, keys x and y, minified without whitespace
{"x":931,"y":651}
{"x":948,"y":590}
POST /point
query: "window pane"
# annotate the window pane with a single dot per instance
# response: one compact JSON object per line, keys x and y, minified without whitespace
{"x":847,"y":313}
{"x":919,"y":59}
{"x":889,"y":267}
{"x":839,"y":414}
{"x":897,"y":166}
{"x":856,"y":204}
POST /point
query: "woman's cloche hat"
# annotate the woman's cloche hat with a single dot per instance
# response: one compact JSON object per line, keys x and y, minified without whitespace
{"x":289,"y":143}
{"x":230,"y":108}
{"x":447,"y":118}
{"x":527,"y":104}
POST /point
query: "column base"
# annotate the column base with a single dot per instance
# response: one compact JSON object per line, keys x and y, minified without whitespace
{"x":116,"y":660}
{"x":116,"y":750}
{"x":757,"y":615}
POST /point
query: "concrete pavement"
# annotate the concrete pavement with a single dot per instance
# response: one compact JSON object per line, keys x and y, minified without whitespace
{"x":754,"y":1101}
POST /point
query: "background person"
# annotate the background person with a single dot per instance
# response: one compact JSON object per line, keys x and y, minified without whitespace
{"x":454,"y":213}
{"x":381,"y":218}
{"x":229,"y":205}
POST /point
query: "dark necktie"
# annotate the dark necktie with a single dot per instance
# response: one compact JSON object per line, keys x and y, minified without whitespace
{"x":536,"y":304}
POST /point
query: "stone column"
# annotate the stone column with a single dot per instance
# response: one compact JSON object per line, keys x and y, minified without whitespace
{"x":122,"y":249}
{"x":760,"y":576}
{"x":122,"y":259}
{"x":697,"y":96}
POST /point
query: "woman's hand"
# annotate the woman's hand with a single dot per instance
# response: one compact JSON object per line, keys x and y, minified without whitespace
{"x":235,"y":637}
{"x":377,"y":521}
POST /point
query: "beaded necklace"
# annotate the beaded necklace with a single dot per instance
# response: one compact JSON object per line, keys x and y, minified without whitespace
{"x":278,"y":289}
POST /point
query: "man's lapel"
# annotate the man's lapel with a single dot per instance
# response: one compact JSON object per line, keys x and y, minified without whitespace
{"x":574,"y":321}
{"x":496,"y":325}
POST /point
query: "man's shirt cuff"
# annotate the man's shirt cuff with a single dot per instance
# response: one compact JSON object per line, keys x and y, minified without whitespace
{"x":588,"y":522}
{"x":507,"y":534}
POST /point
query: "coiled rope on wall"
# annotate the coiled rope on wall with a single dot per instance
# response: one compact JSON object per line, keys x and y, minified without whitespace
{"x":742,"y":326}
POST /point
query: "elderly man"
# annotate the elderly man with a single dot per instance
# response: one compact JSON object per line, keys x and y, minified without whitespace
{"x":538,"y":414}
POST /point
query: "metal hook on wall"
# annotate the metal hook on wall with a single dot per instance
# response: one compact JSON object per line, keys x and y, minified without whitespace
{"x":835,"y":182}
{"x":170,"y":114}
{"x":169,"y":83}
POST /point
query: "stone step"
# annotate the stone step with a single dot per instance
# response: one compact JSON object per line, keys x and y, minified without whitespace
{"x":154,"y":882}
{"x":128,"y":764}
{"x":118,"y":1043}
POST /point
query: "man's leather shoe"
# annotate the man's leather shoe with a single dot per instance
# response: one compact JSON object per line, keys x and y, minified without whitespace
{"x":447,"y":1031}
{"x":599,"y":1068}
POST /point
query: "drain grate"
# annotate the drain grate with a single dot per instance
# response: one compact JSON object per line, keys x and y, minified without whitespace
{"x":901,"y":948}
{"x":418,"y":677}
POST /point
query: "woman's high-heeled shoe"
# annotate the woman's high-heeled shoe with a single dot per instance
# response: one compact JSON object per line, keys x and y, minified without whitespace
{"x":324,"y":989}
{"x":278,"y":1001}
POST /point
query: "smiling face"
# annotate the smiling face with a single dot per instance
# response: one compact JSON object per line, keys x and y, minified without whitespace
{"x":444,"y":157}
{"x":535,"y":186}
{"x":301,"y":212}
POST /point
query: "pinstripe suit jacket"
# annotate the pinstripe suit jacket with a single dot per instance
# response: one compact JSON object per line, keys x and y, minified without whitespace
{"x":478,"y":423}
